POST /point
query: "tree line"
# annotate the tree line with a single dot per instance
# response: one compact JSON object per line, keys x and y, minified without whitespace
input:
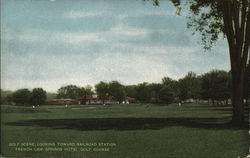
{"x":214,"y":86}
{"x":24,"y":96}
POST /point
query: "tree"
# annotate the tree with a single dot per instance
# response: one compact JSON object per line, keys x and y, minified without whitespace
{"x":38,"y":96}
{"x":9,"y":98}
{"x":88,"y":90}
{"x":189,"y":86}
{"x":169,"y":90}
{"x":173,"y":84}
{"x":102,"y":90}
{"x":155,"y":89}
{"x":70,"y":91}
{"x":232,"y":18}
{"x":205,"y":87}
{"x":21,"y":96}
{"x":247,"y":80}
{"x":166,"y":94}
{"x":50,"y":96}
{"x":143,"y":92}
{"x":130,"y":91}
{"x":215,"y":85}
{"x":6,"y":96}
{"x":116,"y":90}
{"x":81,"y":92}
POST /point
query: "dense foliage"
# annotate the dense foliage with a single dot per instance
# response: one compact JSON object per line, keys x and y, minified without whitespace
{"x":24,"y":97}
{"x":214,"y":86}
{"x":38,"y":96}
{"x":70,"y":91}
{"x":21,"y":96}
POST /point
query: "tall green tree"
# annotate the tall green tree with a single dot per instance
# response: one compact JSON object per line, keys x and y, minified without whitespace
{"x":102,"y":90}
{"x":172,"y":84}
{"x":215,"y":85}
{"x":232,"y":19}
{"x":130,"y":91}
{"x":143,"y":92}
{"x":117,"y":90}
{"x":88,"y":90}
{"x":6,"y":96}
{"x":169,"y":89}
{"x":166,"y":94}
{"x":38,"y":96}
{"x":154,"y":89}
{"x":189,"y":86}
{"x":21,"y":97}
{"x":70,"y":91}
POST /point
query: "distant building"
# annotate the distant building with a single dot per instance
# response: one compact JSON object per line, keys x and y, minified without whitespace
{"x":61,"y":102}
{"x":131,"y":100}
{"x":88,"y":99}
{"x":94,"y":99}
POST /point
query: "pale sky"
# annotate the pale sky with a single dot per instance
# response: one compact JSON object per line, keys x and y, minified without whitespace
{"x":53,"y":43}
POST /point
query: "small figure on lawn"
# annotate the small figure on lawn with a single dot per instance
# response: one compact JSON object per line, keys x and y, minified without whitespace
{"x":179,"y":104}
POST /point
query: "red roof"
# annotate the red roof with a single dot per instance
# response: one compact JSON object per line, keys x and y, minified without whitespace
{"x":89,"y":97}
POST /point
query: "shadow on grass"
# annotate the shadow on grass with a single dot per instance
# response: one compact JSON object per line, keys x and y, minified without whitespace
{"x":28,"y":110}
{"x":90,"y":124}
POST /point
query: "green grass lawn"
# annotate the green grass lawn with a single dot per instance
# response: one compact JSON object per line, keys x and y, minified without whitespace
{"x":133,"y":131}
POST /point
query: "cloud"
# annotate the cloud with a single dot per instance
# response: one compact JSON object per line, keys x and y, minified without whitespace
{"x":128,"y":69}
{"x":78,"y":37}
{"x":129,"y":63}
{"x":73,"y":14}
{"x":131,"y":32}
{"x":80,"y":14}
{"x":124,"y":30}
{"x":129,"y":44}
{"x":48,"y":85}
{"x":157,"y":11}
{"x":52,"y":37}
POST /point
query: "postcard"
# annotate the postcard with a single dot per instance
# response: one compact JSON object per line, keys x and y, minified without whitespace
{"x":124,"y":79}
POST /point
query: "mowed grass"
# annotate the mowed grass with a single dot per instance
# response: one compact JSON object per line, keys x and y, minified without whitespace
{"x":139,"y":130}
